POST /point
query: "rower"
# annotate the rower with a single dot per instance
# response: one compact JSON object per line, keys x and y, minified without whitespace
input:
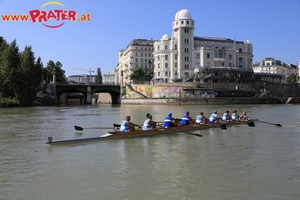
{"x":127,"y":125}
{"x":226,"y":117}
{"x":235,"y":116}
{"x":214,"y":117}
{"x":170,"y":121}
{"x":201,"y":119}
{"x":186,"y":119}
{"x":149,"y":124}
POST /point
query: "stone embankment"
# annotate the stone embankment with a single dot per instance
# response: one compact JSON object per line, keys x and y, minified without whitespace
{"x":211,"y":101}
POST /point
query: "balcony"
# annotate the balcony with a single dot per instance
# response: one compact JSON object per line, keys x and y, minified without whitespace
{"x":220,"y":59}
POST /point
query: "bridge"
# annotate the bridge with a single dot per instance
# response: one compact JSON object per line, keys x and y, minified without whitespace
{"x":89,"y":90}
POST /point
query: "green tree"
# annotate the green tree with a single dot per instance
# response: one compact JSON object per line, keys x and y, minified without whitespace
{"x":149,"y":75}
{"x":9,"y":70}
{"x":98,"y":76}
{"x":293,"y":78}
{"x":137,"y":74}
{"x":31,"y":76}
{"x":56,"y":68}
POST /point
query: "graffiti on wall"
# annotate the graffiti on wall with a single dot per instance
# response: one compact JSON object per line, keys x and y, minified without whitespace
{"x":166,"y":92}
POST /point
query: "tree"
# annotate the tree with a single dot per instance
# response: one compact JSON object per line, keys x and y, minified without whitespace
{"x":149,"y":75}
{"x":9,"y":69}
{"x":293,"y":78}
{"x":56,"y":68}
{"x":31,"y":76}
{"x":137,"y":74}
{"x":98,"y":76}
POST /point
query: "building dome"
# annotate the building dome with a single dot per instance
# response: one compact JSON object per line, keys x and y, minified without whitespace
{"x":165,"y":37}
{"x":183,"y":14}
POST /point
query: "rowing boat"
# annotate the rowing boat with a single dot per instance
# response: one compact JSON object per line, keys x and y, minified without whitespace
{"x":155,"y":131}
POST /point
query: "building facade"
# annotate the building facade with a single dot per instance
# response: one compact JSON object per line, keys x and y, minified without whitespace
{"x":273,"y":66}
{"x":184,"y":57}
{"x":138,"y":53}
{"x":109,"y":77}
{"x":84,"y":78}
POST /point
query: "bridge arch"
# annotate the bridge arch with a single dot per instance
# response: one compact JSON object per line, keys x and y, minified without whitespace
{"x":88,"y":90}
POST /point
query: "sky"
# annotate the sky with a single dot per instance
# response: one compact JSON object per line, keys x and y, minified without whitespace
{"x":271,"y":26}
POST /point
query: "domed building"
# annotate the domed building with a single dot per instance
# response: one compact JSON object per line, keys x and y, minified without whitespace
{"x":183,"y":57}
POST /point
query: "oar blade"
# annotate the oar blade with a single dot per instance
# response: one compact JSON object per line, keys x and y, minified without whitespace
{"x":278,"y":125}
{"x":251,"y":124}
{"x":78,"y":128}
{"x":223,"y":126}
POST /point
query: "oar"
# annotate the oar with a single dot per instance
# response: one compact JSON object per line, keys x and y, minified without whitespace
{"x":79,"y":128}
{"x":269,"y":123}
{"x":223,"y":126}
{"x":197,"y":134}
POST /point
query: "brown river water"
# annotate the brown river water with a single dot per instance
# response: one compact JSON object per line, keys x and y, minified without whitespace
{"x":261,"y":162}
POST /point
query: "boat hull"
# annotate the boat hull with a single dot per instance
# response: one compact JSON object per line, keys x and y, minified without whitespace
{"x":156,"y":131}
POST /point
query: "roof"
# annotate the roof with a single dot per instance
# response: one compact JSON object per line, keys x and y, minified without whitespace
{"x":203,"y":38}
{"x":110,"y":72}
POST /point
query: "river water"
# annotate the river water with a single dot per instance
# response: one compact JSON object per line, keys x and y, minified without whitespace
{"x":261,"y":162}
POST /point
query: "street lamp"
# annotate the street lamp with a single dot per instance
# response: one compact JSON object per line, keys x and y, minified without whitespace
{"x":122,"y":78}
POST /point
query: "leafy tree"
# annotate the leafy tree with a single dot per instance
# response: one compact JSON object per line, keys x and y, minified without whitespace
{"x":98,"y":77}
{"x":292,"y":78}
{"x":9,"y":70}
{"x":137,"y":74}
{"x":149,"y":75}
{"x":54,"y":68}
{"x":31,"y":76}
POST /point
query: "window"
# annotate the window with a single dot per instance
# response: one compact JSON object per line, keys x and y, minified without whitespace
{"x":229,"y":64}
{"x":181,"y":22}
{"x":158,"y":65}
{"x":240,"y":59}
{"x":186,"y":41}
{"x":230,"y":57}
{"x":240,"y":50}
{"x":166,"y":47}
{"x":166,"y":65}
{"x":145,"y":60}
{"x":158,"y":73}
{"x":142,"y":54}
{"x":219,"y":53}
{"x":188,"y":22}
{"x":198,"y":55}
{"x":136,"y":54}
{"x":186,"y":66}
{"x":175,"y":64}
{"x":149,"y":55}
{"x":186,"y":59}
{"x":142,"y":60}
{"x":186,"y":50}
{"x":166,"y":73}
{"x":186,"y":30}
{"x":208,"y":55}
{"x":241,"y":66}
{"x":166,"y":57}
{"x":175,"y":56}
{"x":175,"y":46}
{"x":157,"y":48}
{"x":136,"y":60}
{"x":158,"y":57}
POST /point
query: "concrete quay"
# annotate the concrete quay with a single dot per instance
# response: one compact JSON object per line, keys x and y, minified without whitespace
{"x":210,"y":101}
